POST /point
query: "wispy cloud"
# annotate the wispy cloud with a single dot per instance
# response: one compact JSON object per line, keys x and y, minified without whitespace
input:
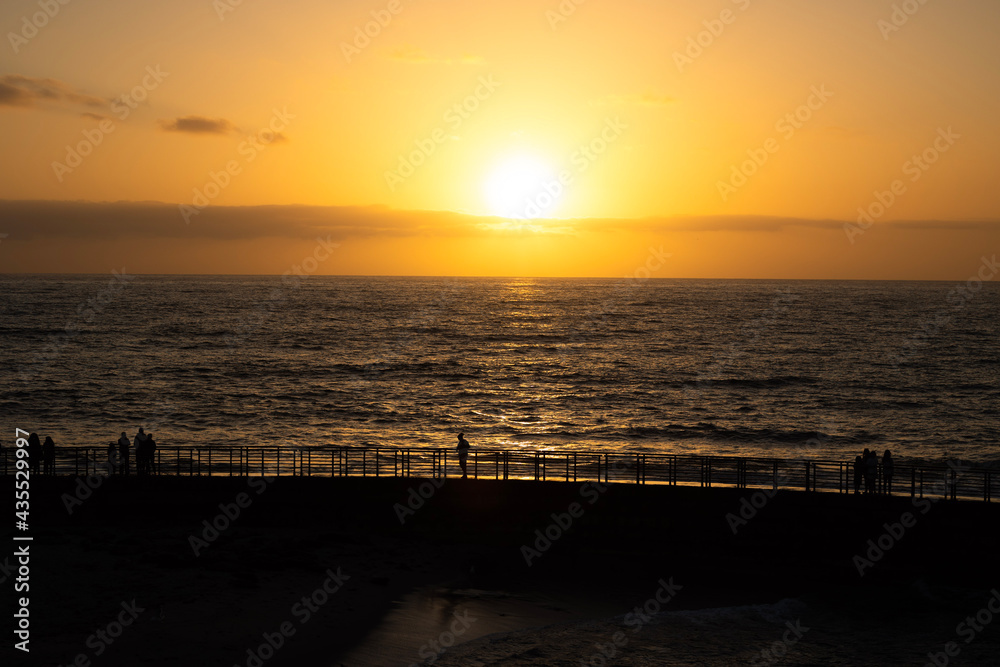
{"x":27,"y":91}
{"x":111,"y":220}
{"x":198,"y":125}
{"x":412,"y":54}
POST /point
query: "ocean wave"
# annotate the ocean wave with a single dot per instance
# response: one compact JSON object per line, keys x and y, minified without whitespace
{"x":755,"y":383}
{"x":749,"y":435}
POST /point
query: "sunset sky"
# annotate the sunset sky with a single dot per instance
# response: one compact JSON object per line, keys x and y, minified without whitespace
{"x":501,"y":138}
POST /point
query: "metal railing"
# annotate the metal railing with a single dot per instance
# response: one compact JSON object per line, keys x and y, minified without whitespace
{"x":946,"y":481}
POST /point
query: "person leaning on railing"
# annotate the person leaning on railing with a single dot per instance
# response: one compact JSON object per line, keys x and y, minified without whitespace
{"x":463,"y":454}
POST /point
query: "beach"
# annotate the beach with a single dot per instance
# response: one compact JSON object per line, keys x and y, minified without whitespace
{"x":518,"y":572}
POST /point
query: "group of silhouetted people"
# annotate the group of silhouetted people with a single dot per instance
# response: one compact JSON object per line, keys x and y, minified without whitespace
{"x":41,"y":456}
{"x":866,"y":467}
{"x":119,"y":454}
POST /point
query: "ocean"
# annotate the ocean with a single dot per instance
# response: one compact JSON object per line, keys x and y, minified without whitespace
{"x":727,"y":367}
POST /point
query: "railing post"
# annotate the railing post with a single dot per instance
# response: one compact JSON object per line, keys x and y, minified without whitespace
{"x":607,"y":469}
{"x":774,"y":477}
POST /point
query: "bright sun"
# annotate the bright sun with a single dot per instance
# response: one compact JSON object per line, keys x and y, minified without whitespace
{"x":516,"y":188}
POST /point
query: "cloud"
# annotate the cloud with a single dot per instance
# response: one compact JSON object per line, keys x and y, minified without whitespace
{"x":412,"y":54}
{"x":641,"y":99}
{"x":26,"y":91}
{"x":199,"y":125}
{"x":93,"y":116}
{"x":26,"y":219}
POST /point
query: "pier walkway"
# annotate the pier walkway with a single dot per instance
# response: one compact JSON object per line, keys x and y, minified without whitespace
{"x":952,"y":481}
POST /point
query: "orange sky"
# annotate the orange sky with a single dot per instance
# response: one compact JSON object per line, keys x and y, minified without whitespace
{"x":501,"y":138}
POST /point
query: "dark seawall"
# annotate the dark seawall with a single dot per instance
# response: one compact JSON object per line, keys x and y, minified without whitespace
{"x":168,"y":539}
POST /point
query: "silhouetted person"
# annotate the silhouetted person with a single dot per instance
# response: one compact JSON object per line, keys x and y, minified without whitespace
{"x":888,"y":469}
{"x":144,"y":455}
{"x":150,"y":454}
{"x":34,"y":454}
{"x":49,"y":456}
{"x":139,"y":443}
{"x":463,"y":454}
{"x":871,"y":469}
{"x":140,"y":454}
{"x":859,"y":465}
{"x":123,"y":454}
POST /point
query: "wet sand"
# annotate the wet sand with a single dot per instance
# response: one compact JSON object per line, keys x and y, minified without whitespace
{"x":463,"y":550}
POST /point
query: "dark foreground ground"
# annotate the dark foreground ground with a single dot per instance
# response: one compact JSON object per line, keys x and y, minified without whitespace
{"x":132,"y":539}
